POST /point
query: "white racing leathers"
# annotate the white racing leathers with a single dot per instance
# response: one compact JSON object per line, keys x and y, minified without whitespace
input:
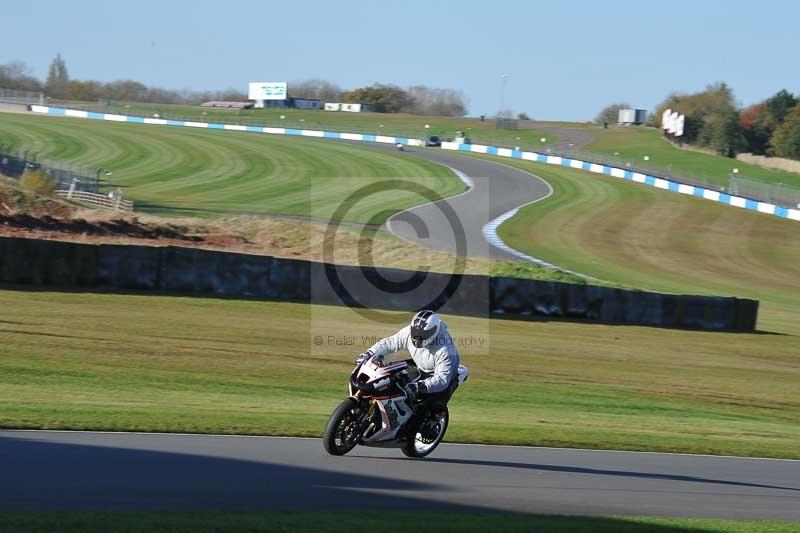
{"x":439,"y":357}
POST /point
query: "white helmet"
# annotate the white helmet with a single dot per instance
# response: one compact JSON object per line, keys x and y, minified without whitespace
{"x":424,"y":327}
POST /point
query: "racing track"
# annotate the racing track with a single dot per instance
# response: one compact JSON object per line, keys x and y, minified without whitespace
{"x":77,"y":470}
{"x":81,"y":471}
{"x":496,"y":189}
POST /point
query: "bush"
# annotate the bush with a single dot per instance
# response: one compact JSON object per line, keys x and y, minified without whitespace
{"x":382,"y":98}
{"x":610,"y":113}
{"x":38,"y":182}
{"x":524,"y":270}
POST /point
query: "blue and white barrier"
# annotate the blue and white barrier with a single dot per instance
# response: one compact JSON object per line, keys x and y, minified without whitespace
{"x":493,"y":238}
{"x":58,"y":111}
{"x":638,"y":177}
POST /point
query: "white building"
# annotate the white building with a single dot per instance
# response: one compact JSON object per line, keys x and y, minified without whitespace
{"x":351,"y":108}
{"x":632,"y":116}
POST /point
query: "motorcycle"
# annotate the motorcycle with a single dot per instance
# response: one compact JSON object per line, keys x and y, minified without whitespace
{"x":379,"y":412}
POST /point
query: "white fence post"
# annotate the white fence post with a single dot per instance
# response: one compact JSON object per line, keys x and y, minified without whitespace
{"x":72,"y":188}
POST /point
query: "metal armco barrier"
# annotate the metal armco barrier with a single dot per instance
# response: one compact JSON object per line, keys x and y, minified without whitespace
{"x":198,"y":271}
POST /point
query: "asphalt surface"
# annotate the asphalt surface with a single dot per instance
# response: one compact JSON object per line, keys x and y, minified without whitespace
{"x":455,"y":224}
{"x":569,"y":139}
{"x":83,"y":471}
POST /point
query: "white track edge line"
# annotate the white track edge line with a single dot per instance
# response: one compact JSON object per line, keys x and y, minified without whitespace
{"x":490,"y":230}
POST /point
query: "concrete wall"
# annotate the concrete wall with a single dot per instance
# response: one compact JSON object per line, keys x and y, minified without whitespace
{"x":197,"y":271}
{"x":13,"y":107}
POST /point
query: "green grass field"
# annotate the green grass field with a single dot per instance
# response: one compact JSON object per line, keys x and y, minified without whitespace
{"x":397,"y":124}
{"x":634,"y":143}
{"x":167,"y":363}
{"x":651,"y":239}
{"x":146,"y":362}
{"x":627,"y":144}
{"x":325,"y":522}
{"x":170,"y":170}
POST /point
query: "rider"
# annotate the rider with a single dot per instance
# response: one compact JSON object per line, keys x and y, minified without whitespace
{"x":432,"y":351}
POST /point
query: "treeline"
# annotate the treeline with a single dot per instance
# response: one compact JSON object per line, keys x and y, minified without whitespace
{"x":383,"y":98}
{"x":387,"y":98}
{"x":58,"y":85}
{"x":715,"y":121}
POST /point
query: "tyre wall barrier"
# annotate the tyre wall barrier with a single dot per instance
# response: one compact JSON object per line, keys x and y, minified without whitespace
{"x":365,"y":137}
{"x":198,"y":271}
{"x":638,"y":177}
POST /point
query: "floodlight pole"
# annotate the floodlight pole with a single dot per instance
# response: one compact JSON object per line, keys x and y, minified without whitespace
{"x":503,"y":80}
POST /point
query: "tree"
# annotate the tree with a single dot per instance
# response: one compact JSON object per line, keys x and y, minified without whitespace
{"x":523,"y":116}
{"x":87,"y":91}
{"x":777,"y":107}
{"x":57,"y":78}
{"x":610,"y":113}
{"x":722,"y":132}
{"x":17,"y":76}
{"x":165,"y":96}
{"x":756,"y":133}
{"x":431,"y":101}
{"x":383,"y":98}
{"x":715,"y":101}
{"x":786,"y":140}
{"x":316,"y":89}
{"x":126,"y":91}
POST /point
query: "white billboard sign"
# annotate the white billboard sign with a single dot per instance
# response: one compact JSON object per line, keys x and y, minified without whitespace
{"x":267,"y":90}
{"x":673,"y":122}
{"x":679,"y":125}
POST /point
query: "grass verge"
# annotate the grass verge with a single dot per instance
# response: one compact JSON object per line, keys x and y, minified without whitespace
{"x":208,"y":522}
{"x":634,"y":143}
{"x":166,"y":363}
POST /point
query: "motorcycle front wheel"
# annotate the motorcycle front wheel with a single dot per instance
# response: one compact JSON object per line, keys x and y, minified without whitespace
{"x":341,"y":433}
{"x":428,"y":431}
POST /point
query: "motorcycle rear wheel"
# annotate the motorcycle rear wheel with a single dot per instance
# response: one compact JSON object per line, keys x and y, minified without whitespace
{"x":428,"y":432}
{"x":340,"y":433}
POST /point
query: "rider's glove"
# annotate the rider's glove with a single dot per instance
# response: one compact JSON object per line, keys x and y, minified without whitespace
{"x":415,"y":389}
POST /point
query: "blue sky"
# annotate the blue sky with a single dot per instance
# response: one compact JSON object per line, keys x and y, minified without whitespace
{"x":565,"y":60}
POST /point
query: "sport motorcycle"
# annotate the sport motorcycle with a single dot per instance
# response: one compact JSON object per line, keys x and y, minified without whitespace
{"x":380,"y":411}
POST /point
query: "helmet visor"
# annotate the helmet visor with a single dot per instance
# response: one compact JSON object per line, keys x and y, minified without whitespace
{"x":420,"y":337}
